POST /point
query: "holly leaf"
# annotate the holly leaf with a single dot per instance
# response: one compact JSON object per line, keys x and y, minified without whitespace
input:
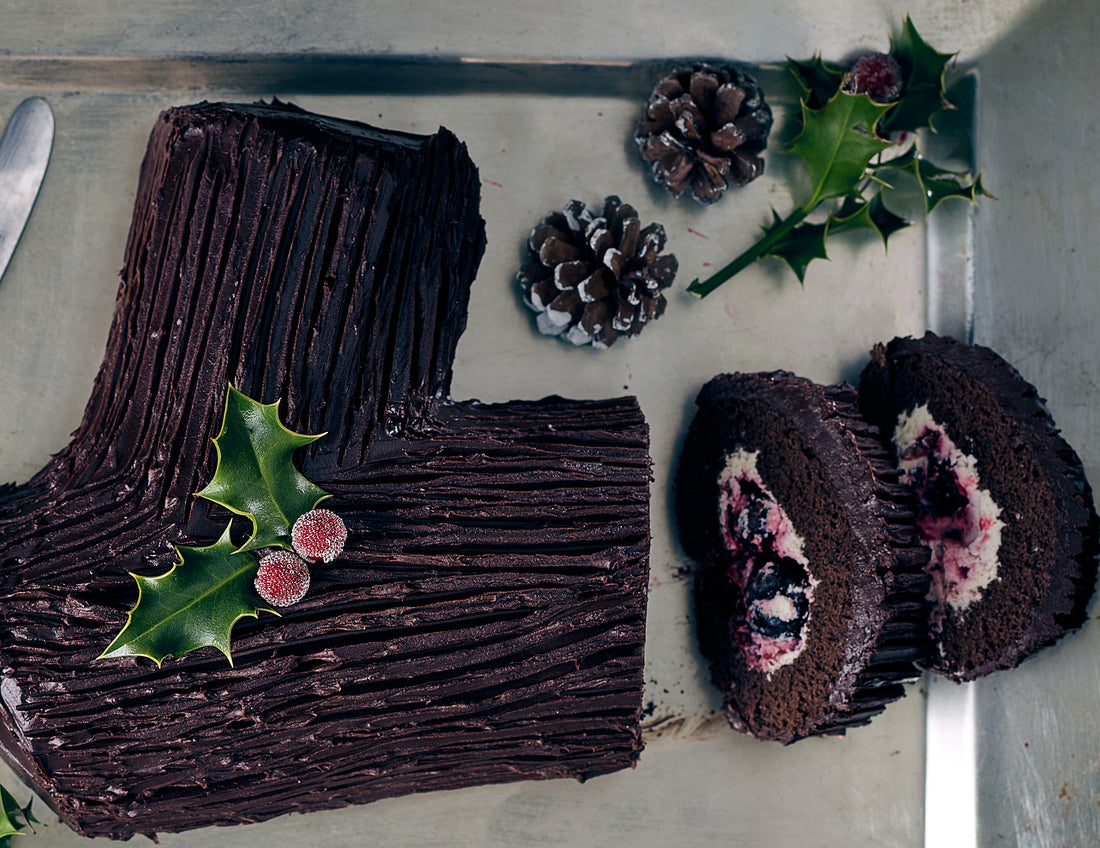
{"x":10,"y":815}
{"x":818,"y":79}
{"x":938,"y":184}
{"x":797,"y":246}
{"x":7,"y":826}
{"x":922,"y":70}
{"x":194,"y":605}
{"x":837,"y":144}
{"x":255,"y":476}
{"x":859,"y":214}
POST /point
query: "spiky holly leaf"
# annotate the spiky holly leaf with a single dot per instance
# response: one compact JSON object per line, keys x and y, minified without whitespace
{"x":938,"y":184}
{"x":797,"y":246}
{"x":12,"y":808}
{"x":255,"y":476}
{"x":8,"y":809}
{"x":837,"y":143}
{"x":194,"y":605}
{"x":13,"y":818}
{"x":818,"y":79}
{"x":859,"y":214}
{"x":922,"y":70}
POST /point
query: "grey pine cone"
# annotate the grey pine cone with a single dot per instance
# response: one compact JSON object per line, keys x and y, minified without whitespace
{"x":594,"y":278}
{"x":704,"y":128}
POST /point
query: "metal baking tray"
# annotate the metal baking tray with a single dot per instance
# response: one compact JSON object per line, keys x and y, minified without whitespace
{"x":545,"y":97}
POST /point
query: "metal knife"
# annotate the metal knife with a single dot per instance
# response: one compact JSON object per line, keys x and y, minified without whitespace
{"x":24,"y":153}
{"x":950,"y":774}
{"x":951,"y":816}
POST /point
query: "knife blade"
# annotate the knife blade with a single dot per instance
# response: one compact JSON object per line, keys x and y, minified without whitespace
{"x":951,"y":815}
{"x":24,"y":154}
{"x":950,"y":791}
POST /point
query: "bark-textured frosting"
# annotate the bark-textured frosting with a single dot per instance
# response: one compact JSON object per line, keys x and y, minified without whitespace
{"x":1049,"y":542}
{"x":486,"y":620}
{"x":828,"y":471}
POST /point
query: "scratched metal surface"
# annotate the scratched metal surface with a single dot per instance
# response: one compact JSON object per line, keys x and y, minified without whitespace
{"x":545,"y":102}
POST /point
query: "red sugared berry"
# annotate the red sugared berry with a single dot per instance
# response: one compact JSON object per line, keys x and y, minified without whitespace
{"x":876,"y":75}
{"x":282,"y":578}
{"x":320,"y":534}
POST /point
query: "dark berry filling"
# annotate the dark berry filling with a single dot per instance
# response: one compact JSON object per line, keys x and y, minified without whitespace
{"x":936,"y":484}
{"x":774,"y":588}
{"x":774,"y":602}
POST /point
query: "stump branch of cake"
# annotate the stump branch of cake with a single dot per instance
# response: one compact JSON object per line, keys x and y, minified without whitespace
{"x":486,"y":620}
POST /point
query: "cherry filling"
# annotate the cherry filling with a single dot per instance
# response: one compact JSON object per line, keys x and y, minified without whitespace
{"x":774,"y":602}
{"x":939,"y":493}
{"x":771,"y":616}
{"x":958,"y":519}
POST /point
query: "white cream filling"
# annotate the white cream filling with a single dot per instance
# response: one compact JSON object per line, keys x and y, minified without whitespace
{"x":960,"y":568}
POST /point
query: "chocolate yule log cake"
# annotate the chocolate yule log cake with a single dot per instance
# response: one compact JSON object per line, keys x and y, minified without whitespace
{"x":809,"y":590}
{"x":1003,"y":503}
{"x":486,"y":619}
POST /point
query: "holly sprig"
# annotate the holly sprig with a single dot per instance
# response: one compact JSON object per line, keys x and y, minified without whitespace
{"x":198,"y":602}
{"x":14,"y":818}
{"x":842,"y":138}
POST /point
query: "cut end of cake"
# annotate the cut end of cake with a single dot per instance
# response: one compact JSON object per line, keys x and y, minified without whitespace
{"x":1007,"y":512}
{"x":809,"y":589}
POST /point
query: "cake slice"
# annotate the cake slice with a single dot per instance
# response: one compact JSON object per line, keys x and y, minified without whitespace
{"x":1003,"y":503}
{"x":486,"y":621}
{"x":809,"y":591}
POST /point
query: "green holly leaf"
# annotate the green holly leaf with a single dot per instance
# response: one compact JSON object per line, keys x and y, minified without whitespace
{"x":837,"y":143}
{"x":9,"y":810}
{"x":859,"y":214}
{"x":797,"y":246}
{"x":938,"y":184}
{"x":255,"y":475}
{"x":194,"y":605}
{"x":922,"y":70}
{"x":818,"y":79}
{"x":10,"y":815}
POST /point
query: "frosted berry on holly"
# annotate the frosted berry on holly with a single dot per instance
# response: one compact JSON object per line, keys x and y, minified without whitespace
{"x":282,"y":578}
{"x":876,"y":75}
{"x":319,"y":535}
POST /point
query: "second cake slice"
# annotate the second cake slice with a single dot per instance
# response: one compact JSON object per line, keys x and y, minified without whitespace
{"x":810,"y":589}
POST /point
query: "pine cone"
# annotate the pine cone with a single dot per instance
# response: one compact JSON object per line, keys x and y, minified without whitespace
{"x":704,"y":127}
{"x":592,"y":279}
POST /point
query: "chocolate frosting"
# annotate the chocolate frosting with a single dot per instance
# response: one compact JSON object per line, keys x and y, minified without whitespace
{"x":486,"y":621}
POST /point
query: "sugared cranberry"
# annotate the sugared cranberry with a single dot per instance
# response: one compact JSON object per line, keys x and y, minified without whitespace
{"x":282,"y":578}
{"x":876,"y":75}
{"x":319,"y":535}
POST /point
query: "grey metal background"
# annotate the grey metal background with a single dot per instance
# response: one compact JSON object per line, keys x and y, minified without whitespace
{"x":545,"y":95}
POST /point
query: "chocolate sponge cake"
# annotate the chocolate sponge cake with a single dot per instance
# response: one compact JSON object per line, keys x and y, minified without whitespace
{"x":809,"y":591}
{"x":486,"y":620}
{"x":1003,"y":503}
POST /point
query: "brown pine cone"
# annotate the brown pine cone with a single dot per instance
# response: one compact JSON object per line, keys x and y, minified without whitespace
{"x":704,"y":127}
{"x":592,"y":279}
